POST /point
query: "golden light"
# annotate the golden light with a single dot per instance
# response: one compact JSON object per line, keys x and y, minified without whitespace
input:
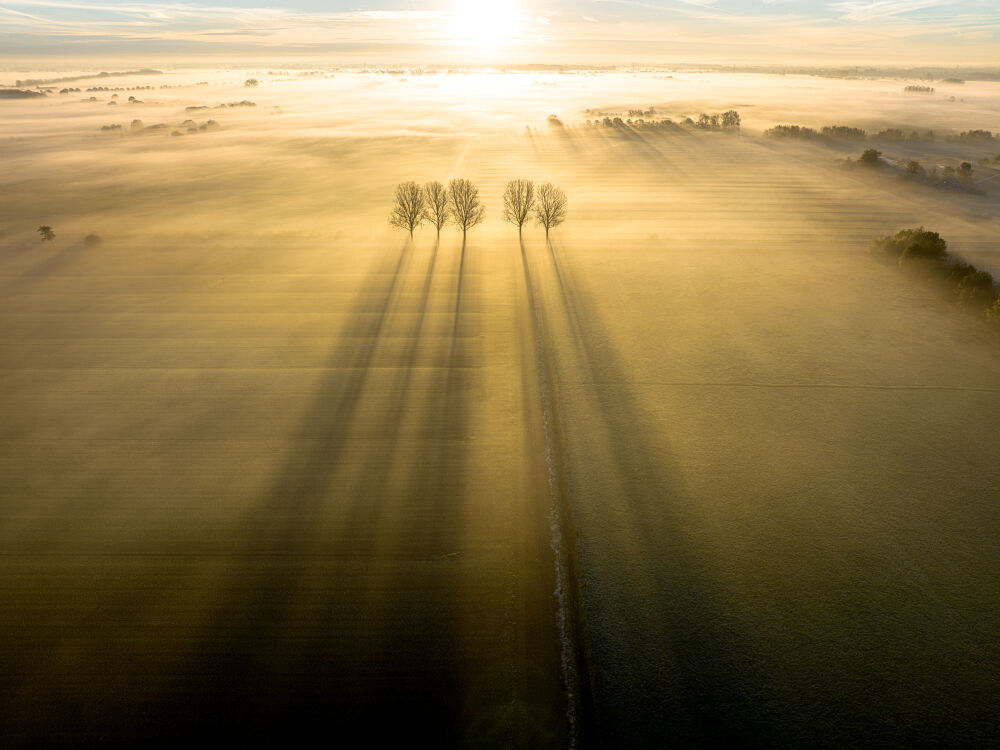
{"x":485,"y":23}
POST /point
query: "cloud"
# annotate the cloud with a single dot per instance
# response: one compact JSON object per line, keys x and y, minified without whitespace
{"x":770,"y":29}
{"x":869,"y":10}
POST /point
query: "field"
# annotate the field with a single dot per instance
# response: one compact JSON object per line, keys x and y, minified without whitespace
{"x":696,"y":471}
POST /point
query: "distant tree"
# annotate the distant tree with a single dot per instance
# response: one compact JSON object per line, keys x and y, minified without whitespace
{"x":408,"y":209}
{"x":871,"y":157}
{"x":993,"y":312}
{"x":466,"y":209}
{"x":47,"y":233}
{"x":551,"y":208}
{"x":731,"y":119}
{"x":436,"y":209}
{"x":251,"y":82}
{"x":922,"y":250}
{"x":948,"y":173}
{"x":914,"y":170}
{"x":976,"y":290}
{"x":518,"y":202}
{"x":92,"y":240}
{"x":914,"y":243}
{"x":844,"y":132}
{"x":965,"y":171}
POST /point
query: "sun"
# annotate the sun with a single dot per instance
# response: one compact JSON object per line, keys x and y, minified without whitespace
{"x":485,"y":23}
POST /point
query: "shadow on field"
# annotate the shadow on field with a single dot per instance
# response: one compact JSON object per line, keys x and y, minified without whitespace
{"x":340,"y":616}
{"x":52,"y":261}
{"x":666,"y":660}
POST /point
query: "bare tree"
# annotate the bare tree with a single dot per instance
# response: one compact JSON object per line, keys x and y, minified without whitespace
{"x":551,"y":209}
{"x":518,"y":200}
{"x":466,"y":209}
{"x":436,"y":210}
{"x":408,"y":209}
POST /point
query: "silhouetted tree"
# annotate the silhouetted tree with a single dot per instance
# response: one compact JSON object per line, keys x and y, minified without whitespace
{"x":466,"y":209}
{"x":915,"y":243}
{"x":914,"y":170}
{"x":871,"y":157}
{"x":92,"y":240}
{"x":436,"y":209}
{"x":551,"y":209}
{"x":976,"y":290}
{"x":965,"y":171}
{"x":47,"y":233}
{"x":251,"y":82}
{"x":518,"y":200}
{"x":408,"y":211}
{"x":924,"y":251}
{"x":731,"y":119}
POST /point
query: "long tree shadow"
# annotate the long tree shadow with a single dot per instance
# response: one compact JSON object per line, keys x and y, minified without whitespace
{"x":299,"y":643}
{"x":54,"y":261}
{"x":668,"y":662}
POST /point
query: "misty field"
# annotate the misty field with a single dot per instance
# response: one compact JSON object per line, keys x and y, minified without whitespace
{"x":697,"y":471}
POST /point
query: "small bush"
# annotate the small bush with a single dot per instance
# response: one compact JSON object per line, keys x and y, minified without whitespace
{"x":92,"y":240}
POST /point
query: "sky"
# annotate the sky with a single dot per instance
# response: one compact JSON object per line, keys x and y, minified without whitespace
{"x":820,"y":32}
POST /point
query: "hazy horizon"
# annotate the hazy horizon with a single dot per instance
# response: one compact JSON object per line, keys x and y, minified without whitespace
{"x":865,"y":32}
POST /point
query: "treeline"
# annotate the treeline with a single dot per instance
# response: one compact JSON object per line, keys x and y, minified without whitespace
{"x":459,"y":204}
{"x":728,"y":120}
{"x":947,"y":176}
{"x":916,"y":89}
{"x":925,"y":255}
{"x":137,"y":126}
{"x":846,"y":133}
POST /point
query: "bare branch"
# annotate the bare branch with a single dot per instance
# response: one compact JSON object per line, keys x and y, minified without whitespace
{"x":518,"y":200}
{"x":466,"y":210}
{"x":408,"y":209}
{"x":551,"y":209}
{"x":436,"y":211}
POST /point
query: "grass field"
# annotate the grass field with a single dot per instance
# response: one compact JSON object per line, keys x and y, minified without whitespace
{"x":695,"y":471}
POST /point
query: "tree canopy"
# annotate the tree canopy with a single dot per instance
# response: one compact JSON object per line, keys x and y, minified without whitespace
{"x":551,"y":208}
{"x":518,"y":201}
{"x":408,"y":209}
{"x":466,"y":209}
{"x":436,"y":210}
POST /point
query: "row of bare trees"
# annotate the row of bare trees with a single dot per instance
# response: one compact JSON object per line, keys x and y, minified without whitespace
{"x":459,"y":204}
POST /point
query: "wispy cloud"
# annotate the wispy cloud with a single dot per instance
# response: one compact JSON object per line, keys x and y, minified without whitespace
{"x":838,"y":27}
{"x":869,"y":10}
